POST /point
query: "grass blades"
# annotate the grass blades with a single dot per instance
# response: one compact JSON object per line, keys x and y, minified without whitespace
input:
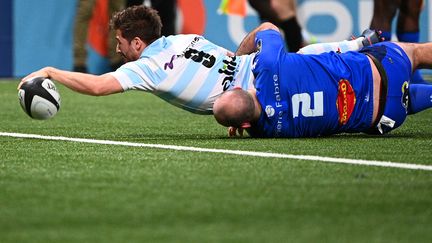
{"x":53,"y":191}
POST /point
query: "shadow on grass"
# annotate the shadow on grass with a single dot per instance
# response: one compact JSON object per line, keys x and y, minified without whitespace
{"x":343,"y":136}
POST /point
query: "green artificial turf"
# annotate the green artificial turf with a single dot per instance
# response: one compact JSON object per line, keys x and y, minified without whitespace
{"x":57,"y":191}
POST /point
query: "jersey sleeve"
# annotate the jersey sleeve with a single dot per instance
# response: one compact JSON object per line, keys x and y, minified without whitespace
{"x":268,"y":41}
{"x":269,"y":44}
{"x":135,"y":76}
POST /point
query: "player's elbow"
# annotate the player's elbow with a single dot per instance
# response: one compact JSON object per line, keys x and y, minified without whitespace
{"x":97,"y":91}
{"x":268,"y":26}
{"x":104,"y":85}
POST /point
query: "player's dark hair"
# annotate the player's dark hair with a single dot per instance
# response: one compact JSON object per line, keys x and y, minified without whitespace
{"x":138,"y":21}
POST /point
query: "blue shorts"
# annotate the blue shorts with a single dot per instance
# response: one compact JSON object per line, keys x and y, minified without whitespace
{"x":398,"y":69}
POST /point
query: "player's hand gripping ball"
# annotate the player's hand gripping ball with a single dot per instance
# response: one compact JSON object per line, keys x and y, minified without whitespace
{"x":39,"y":98}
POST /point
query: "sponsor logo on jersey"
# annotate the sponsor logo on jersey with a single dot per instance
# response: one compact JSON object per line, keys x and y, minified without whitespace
{"x":228,"y":69}
{"x":345,"y":101}
{"x":254,"y":63}
{"x":170,"y":64}
{"x":278,"y":104}
{"x":258,"y":46}
{"x":192,"y":44}
{"x":277,"y":93}
{"x":270,"y":111}
{"x":205,"y":59}
{"x":405,"y":96}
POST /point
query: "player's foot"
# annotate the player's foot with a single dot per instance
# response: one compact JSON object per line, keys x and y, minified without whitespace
{"x":371,"y":37}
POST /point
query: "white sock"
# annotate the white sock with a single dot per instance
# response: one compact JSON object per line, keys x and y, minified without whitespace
{"x":342,"y":46}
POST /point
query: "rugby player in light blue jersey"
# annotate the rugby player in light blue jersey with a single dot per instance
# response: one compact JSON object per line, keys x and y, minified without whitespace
{"x":186,"y":70}
{"x":316,"y":95}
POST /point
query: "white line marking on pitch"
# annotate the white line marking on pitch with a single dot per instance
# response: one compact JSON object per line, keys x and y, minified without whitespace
{"x":225,"y":151}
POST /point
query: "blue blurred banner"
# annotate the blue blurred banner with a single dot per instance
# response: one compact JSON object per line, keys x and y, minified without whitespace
{"x":324,"y":20}
{"x":43,"y":34}
{"x":40,"y":33}
{"x":6,"y":41}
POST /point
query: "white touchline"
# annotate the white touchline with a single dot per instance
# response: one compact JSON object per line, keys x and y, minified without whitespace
{"x":226,"y":151}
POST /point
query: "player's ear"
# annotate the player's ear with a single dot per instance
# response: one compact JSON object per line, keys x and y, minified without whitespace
{"x":138,"y":44}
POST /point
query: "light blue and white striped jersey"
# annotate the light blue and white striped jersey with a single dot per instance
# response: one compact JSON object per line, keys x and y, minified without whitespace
{"x":188,"y":71}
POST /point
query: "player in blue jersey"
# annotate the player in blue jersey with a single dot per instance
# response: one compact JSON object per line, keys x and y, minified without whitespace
{"x":186,"y":70}
{"x":316,"y":95}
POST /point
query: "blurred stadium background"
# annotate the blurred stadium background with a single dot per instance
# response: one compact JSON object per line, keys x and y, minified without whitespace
{"x":57,"y":191}
{"x":40,"y":33}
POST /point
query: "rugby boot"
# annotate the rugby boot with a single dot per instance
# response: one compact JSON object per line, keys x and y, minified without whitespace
{"x":371,"y":37}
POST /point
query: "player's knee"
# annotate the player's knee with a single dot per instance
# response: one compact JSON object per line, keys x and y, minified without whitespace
{"x":410,"y":50}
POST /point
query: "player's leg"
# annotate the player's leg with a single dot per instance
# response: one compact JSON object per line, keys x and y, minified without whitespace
{"x":420,"y":97}
{"x":82,"y":19}
{"x":383,"y":14}
{"x":420,"y":55}
{"x":420,"y":94}
{"x":281,"y":13}
{"x":367,"y":38}
{"x":408,"y":21}
{"x":286,"y":13}
{"x":408,"y":28}
{"x":396,"y":70}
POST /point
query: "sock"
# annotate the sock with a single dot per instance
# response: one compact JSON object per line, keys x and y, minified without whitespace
{"x":420,"y":97}
{"x":342,"y":46}
{"x":293,"y":35}
{"x":416,"y":78}
{"x":386,"y":35}
{"x":408,"y":36}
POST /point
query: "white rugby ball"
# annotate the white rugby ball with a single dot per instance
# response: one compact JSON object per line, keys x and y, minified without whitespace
{"x":39,"y":98}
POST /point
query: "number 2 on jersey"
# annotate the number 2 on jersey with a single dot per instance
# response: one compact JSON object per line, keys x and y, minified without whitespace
{"x":305,"y":100}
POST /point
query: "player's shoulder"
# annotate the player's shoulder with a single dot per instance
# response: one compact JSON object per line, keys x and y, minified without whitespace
{"x":268,"y":34}
{"x":180,"y":38}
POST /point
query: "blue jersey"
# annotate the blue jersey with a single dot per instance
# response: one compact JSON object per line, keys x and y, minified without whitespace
{"x":188,"y":71}
{"x":310,"y":95}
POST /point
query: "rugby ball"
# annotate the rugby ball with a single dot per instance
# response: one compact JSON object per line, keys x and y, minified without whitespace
{"x":39,"y":98}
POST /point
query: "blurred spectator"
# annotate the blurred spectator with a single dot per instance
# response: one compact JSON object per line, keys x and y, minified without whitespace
{"x":166,"y":10}
{"x":92,"y":28}
{"x":92,"y":33}
{"x":407,"y":29}
{"x":281,"y":13}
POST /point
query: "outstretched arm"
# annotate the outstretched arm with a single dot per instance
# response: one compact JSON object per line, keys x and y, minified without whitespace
{"x":80,"y":82}
{"x":247,"y":46}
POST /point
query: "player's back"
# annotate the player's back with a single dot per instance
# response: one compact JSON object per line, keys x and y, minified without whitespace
{"x":188,"y":71}
{"x":312,"y":95}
